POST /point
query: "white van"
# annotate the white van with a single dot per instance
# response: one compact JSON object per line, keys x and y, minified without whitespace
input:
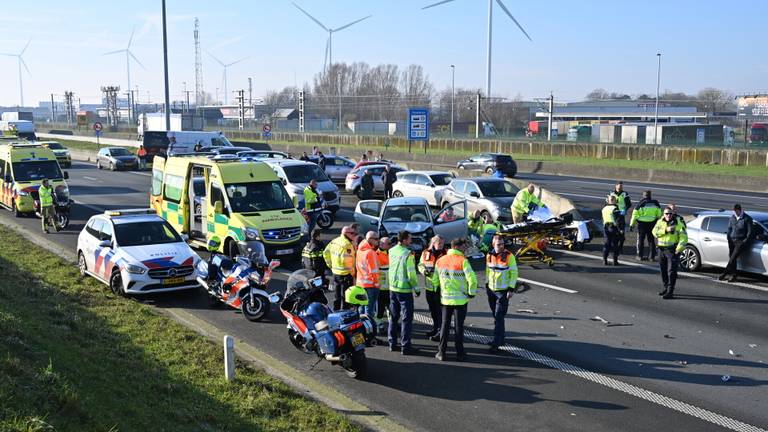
{"x":175,"y":142}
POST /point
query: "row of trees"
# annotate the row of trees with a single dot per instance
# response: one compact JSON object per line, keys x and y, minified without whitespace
{"x":708,"y":99}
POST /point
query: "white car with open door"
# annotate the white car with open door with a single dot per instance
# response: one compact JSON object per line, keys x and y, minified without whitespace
{"x":423,"y":184}
{"x":413,"y":215}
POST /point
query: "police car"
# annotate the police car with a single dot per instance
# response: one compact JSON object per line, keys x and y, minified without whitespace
{"x":136,"y":252}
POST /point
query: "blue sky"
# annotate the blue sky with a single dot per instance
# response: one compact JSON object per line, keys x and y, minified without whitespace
{"x":576,"y":47}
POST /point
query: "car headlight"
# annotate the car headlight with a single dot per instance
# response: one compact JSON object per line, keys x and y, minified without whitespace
{"x":134,"y":269}
{"x":22,"y":193}
{"x":495,"y":212}
{"x":251,"y":234}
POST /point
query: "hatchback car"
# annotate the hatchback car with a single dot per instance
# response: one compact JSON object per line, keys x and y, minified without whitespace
{"x":708,"y":243}
{"x":489,"y":162}
{"x":485,"y":194}
{"x":337,"y":167}
{"x":424,"y":184}
{"x":116,"y":158}
{"x":354,"y":179}
{"x":413,"y":215}
{"x":136,"y":252}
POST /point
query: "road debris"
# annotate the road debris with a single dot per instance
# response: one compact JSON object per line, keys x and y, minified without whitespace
{"x":753,"y":345}
{"x":599,"y":319}
{"x":666,"y":336}
{"x":725,"y":378}
{"x":527,"y":311}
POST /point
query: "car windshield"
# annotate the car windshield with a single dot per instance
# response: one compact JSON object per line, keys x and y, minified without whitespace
{"x":304,"y":173}
{"x":258,"y":196}
{"x":497,"y":189}
{"x":502,"y":159}
{"x":220,"y":142}
{"x":406,"y":213}
{"x":145,"y":233}
{"x":119,"y":152}
{"x":441,"y":179}
{"x":56,"y":146}
{"x":36,"y":170}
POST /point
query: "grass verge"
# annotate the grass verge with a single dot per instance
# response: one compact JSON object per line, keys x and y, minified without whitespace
{"x":74,"y":357}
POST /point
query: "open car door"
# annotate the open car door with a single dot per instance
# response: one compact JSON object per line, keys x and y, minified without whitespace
{"x":367,"y":214}
{"x":451,"y":222}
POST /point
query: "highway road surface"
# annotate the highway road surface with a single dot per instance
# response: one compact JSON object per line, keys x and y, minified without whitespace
{"x":650,"y":365}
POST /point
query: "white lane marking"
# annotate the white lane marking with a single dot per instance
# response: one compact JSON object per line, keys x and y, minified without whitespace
{"x":679,"y":274}
{"x":546,"y":285}
{"x":602,"y":198}
{"x":729,"y":195}
{"x":140,"y":173}
{"x":612,"y":383}
{"x":90,"y":178}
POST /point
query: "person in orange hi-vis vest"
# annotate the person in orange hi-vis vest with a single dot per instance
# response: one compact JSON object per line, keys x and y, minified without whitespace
{"x":426,"y":267}
{"x":367,"y":274}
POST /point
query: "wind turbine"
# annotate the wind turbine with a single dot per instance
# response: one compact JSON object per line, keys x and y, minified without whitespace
{"x":490,"y":33}
{"x":225,"y":66}
{"x":328,"y":59}
{"x":21,"y":62}
{"x":128,"y":56}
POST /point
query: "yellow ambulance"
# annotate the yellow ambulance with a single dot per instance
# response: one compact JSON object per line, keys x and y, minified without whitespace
{"x":23,"y":167}
{"x":238,"y":201}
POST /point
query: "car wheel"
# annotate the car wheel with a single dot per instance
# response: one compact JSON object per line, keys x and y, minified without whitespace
{"x":690,"y":259}
{"x":81,"y":265}
{"x":111,"y":166}
{"x":489,"y":170}
{"x":461,"y":167}
{"x":359,"y":193}
{"x":116,"y":283}
{"x":98,"y":164}
{"x":483,"y":214}
{"x":397,"y":194}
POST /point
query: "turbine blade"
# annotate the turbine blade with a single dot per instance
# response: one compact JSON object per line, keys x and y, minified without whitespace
{"x":214,"y":57}
{"x":352,"y":23}
{"x":25,"y":47}
{"x":9,"y":55}
{"x":136,"y":60}
{"x":114,"y":52}
{"x":130,"y":40}
{"x":436,"y":4}
{"x":21,"y":59}
{"x":509,"y":14}
{"x":325,"y":59}
{"x":236,"y":61}
{"x":311,"y":17}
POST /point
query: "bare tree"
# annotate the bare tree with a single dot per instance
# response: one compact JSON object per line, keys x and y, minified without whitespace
{"x":597,"y":94}
{"x":711,"y":99}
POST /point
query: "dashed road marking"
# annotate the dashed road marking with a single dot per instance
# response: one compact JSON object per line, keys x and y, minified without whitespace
{"x":546,"y":285}
{"x":612,"y":383}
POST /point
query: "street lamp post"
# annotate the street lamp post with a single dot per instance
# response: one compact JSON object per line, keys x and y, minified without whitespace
{"x":165,"y":72}
{"x":453,"y":93}
{"x":656,"y":116}
{"x":339,"y":83}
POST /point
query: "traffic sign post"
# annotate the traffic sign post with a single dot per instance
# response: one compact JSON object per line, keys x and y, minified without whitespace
{"x":418,"y":126}
{"x":98,"y":127}
{"x":266,"y":131}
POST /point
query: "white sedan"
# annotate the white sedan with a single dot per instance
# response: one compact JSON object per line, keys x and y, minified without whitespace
{"x":422,"y":184}
{"x":136,"y":252}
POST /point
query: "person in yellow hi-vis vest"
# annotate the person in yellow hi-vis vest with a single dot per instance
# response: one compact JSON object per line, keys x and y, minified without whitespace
{"x":458,"y":284}
{"x":671,"y":238}
{"x":339,"y":255}
{"x":403,"y":283}
{"x":47,"y":211}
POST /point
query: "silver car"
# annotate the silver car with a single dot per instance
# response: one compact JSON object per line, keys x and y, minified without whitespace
{"x":489,"y":195}
{"x":355,"y":177}
{"x":337,"y":167}
{"x":708,"y":243}
{"x":424,"y":184}
{"x":413,"y":215}
{"x":116,"y":158}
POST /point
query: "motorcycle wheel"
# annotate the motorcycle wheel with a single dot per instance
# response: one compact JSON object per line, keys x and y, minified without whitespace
{"x":297,"y":340}
{"x":325,"y":220}
{"x":258,"y":310}
{"x":358,"y":365}
{"x":62,"y":219}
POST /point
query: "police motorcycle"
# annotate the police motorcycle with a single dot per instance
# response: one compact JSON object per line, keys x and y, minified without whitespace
{"x":339,"y":337}
{"x":240,"y":283}
{"x":325,"y":217}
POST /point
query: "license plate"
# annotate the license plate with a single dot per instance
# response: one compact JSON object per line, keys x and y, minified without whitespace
{"x":284,"y":252}
{"x":173,"y":281}
{"x":358,"y":339}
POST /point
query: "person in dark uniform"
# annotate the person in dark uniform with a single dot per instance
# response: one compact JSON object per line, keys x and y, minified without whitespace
{"x":611,"y":215}
{"x":646,"y":214}
{"x":312,"y":256}
{"x":366,"y":184}
{"x":740,"y":235}
{"x":624,"y":203}
{"x":388,"y":177}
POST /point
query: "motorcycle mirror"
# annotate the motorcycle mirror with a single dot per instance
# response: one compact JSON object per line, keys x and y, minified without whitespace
{"x":275,"y":263}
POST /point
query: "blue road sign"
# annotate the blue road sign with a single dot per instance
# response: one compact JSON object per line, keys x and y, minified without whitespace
{"x":418,"y":124}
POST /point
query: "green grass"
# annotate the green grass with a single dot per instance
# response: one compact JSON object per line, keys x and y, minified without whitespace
{"x":85,"y":145}
{"x":74,"y":357}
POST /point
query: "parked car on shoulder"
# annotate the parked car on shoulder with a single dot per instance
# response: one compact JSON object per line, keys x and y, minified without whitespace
{"x":486,"y":194}
{"x":413,"y":215}
{"x":425,"y":184}
{"x":708,"y":243}
{"x":116,"y":158}
{"x":136,"y":252}
{"x":354,"y":179}
{"x":489,"y":162}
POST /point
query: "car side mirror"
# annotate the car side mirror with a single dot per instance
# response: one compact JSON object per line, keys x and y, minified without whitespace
{"x":218,"y":207}
{"x":474,"y":194}
{"x":285,"y":182}
{"x":185,"y":237}
{"x":432,"y":185}
{"x":66,"y":175}
{"x":105,"y":244}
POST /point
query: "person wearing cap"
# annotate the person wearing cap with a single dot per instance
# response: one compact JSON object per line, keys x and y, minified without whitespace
{"x":339,"y":256}
{"x":47,"y":212}
{"x":367,"y":271}
{"x":403,"y":283}
{"x":611,"y":215}
{"x":671,"y":238}
{"x":382,"y":309}
{"x":501,"y":276}
{"x":646,"y":214}
{"x":523,"y":201}
{"x":429,"y":257}
{"x":311,"y":203}
{"x":624,"y":203}
{"x":740,"y":234}
{"x":312,"y":255}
